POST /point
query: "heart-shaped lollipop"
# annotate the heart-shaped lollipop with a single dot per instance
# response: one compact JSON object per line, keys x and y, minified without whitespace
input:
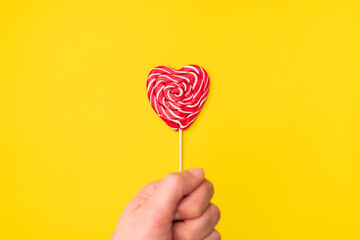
{"x":177,"y":95}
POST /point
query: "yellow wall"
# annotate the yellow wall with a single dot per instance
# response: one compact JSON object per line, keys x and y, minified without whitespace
{"x":279,"y":135}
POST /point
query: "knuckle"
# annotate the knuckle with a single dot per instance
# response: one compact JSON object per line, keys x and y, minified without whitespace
{"x":151,"y":186}
{"x":215,"y":212}
{"x":210,"y":187}
{"x":196,"y":211}
{"x":173,"y":178}
{"x":183,"y":234}
{"x":217,"y":235}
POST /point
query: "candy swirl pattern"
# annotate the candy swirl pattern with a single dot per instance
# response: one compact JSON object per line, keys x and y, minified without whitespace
{"x":177,"y":96}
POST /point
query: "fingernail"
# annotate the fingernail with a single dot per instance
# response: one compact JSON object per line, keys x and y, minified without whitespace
{"x":197,"y":172}
{"x":176,"y":216}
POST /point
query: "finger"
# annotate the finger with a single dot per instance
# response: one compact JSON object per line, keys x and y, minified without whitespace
{"x":194,"y":204}
{"x":214,"y":235}
{"x":172,"y":189}
{"x":197,"y":228}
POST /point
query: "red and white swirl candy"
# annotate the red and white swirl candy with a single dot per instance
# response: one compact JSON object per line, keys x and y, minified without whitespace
{"x":177,"y":95}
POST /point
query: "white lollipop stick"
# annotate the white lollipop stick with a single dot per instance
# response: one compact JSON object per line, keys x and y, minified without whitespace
{"x":180,"y":150}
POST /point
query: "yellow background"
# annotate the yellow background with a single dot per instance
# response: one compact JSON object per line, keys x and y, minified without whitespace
{"x":279,"y":135}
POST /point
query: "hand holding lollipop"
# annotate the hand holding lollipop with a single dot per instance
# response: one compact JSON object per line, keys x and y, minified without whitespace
{"x":178,"y":206}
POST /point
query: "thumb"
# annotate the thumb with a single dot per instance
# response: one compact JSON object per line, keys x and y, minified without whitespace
{"x":172,"y":189}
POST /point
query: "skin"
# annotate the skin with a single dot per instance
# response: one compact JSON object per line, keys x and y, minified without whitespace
{"x":177,"y":207}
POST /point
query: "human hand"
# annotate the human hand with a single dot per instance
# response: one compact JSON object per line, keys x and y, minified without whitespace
{"x":175,"y":208}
